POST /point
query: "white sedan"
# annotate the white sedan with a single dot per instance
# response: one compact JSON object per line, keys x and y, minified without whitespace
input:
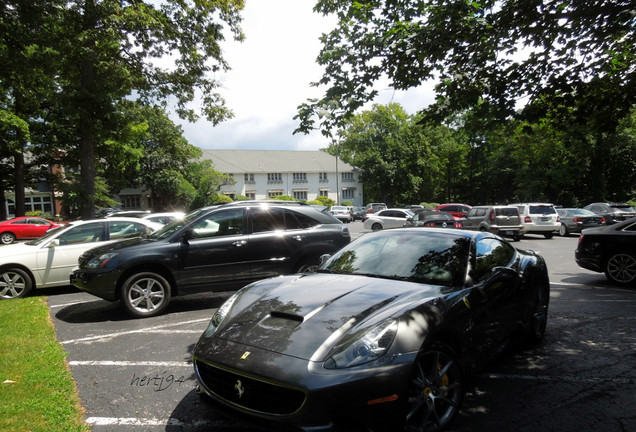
{"x":387,"y":218}
{"x":47,"y":261}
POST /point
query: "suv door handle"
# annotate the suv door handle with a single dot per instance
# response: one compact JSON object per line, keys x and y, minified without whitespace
{"x":299,"y":237}
{"x":239,"y":243}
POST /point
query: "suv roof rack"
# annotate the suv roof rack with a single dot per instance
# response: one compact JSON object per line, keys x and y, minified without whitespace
{"x":277,"y":202}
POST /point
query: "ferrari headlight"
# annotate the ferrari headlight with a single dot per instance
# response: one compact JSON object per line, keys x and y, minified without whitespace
{"x":365,"y":347}
{"x":220,"y":315}
{"x":100,"y":260}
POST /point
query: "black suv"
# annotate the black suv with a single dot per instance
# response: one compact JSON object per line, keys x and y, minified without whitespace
{"x":613,"y":212}
{"x":217,"y":248}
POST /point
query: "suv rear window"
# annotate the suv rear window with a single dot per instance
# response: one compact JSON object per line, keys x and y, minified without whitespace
{"x":506,"y":211}
{"x":542,"y":210}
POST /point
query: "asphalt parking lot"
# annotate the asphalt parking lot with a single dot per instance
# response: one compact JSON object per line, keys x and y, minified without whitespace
{"x":136,"y":375}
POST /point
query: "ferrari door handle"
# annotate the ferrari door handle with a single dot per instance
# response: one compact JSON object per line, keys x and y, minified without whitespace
{"x":239,"y":243}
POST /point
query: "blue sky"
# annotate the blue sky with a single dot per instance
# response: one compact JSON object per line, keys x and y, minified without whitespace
{"x":270,"y":77}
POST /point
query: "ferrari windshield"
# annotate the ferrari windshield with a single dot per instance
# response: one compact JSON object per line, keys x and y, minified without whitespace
{"x":424,"y":257}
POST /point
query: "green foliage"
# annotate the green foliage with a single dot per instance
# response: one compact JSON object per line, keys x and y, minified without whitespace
{"x":347,"y":203}
{"x":241,"y":198}
{"x":283,"y":198}
{"x":323,"y":200}
{"x":38,"y":392}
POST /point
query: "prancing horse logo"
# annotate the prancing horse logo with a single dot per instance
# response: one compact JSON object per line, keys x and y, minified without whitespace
{"x":239,"y":388}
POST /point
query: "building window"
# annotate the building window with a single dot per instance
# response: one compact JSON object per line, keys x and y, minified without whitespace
{"x":250,"y":194}
{"x":231,"y":195}
{"x":322,"y":177}
{"x":274,"y":193}
{"x":249,"y":178}
{"x":151,"y":203}
{"x":131,"y":201}
{"x":300,"y":195}
{"x":347,"y":177}
{"x":274,"y":178}
{"x":300,"y":177}
{"x":324,"y":192}
{"x":11,"y":207}
{"x":348,"y":193}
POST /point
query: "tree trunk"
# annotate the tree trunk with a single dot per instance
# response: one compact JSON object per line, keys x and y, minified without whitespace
{"x":20,"y":195}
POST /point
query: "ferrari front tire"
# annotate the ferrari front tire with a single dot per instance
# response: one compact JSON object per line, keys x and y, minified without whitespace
{"x":436,"y":390}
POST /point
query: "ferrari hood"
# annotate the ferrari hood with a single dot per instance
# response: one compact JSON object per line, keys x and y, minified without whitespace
{"x":300,"y":313}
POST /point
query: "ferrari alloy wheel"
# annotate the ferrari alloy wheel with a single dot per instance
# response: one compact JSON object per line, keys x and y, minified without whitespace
{"x":145,"y":294}
{"x":436,"y":390}
{"x":7,"y":238}
{"x":539,"y":319}
{"x":563,"y":231}
{"x":14,"y":283}
{"x":620,"y":267}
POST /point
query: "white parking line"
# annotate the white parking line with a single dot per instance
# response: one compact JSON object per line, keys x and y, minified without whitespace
{"x":574,"y":379}
{"x":145,"y":330}
{"x":129,"y":363}
{"x":113,"y":421}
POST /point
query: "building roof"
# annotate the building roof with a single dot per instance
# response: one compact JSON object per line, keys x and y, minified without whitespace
{"x":273,"y":161}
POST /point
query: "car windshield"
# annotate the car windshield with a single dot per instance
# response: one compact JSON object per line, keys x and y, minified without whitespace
{"x":50,"y":233}
{"x":542,"y":210}
{"x":582,"y":212}
{"x":425,"y":257}
{"x":170,"y":228}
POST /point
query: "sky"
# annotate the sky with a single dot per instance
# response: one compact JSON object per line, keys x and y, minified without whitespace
{"x":270,"y":77}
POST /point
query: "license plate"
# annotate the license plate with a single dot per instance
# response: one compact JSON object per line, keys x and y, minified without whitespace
{"x":545,"y":219}
{"x":509,"y":233}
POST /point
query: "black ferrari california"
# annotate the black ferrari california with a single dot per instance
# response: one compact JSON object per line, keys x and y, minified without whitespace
{"x":380,"y":338}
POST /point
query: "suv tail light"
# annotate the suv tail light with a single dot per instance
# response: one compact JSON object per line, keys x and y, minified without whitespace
{"x":528,"y":219}
{"x":459,"y":225}
{"x":492,"y":216}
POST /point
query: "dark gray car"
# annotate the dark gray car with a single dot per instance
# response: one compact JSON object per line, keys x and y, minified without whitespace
{"x":497,"y":219}
{"x":574,"y":220}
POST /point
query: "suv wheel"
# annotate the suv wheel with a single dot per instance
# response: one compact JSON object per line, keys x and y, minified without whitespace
{"x":145,"y":294}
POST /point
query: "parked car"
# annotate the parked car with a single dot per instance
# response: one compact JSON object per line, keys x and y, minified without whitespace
{"x":611,"y":250}
{"x":48,"y":261}
{"x":164,"y":218}
{"x":457,"y":210}
{"x":387,"y":218}
{"x":128,"y":213}
{"x":342,"y":213}
{"x":372,"y":208}
{"x":382,"y":337}
{"x":358,"y":213}
{"x":539,"y":218}
{"x":501,"y":220}
{"x":575,"y":220}
{"x":613,"y":212}
{"x":216,"y":248}
{"x":434,"y":219}
{"x":24,"y":227}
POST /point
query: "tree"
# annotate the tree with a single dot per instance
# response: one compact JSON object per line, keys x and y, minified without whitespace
{"x":115,"y":49}
{"x":393,"y":154}
{"x":484,"y":55}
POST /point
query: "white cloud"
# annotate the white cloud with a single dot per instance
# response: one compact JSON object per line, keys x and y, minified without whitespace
{"x":270,"y":77}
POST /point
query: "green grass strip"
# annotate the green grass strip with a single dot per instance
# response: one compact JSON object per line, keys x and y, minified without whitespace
{"x":37,"y":390}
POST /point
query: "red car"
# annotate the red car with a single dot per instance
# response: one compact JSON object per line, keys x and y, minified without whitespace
{"x":457,"y":210}
{"x":24,"y":227}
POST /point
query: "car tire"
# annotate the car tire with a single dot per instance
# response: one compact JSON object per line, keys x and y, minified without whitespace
{"x":548,"y":235}
{"x":563,"y":231}
{"x":14,"y":283}
{"x":539,"y":313}
{"x":516,"y":238}
{"x":7,"y":238}
{"x":145,"y":295}
{"x":436,"y":389}
{"x":376,"y":227}
{"x":620,"y":267}
{"x":307,"y":266}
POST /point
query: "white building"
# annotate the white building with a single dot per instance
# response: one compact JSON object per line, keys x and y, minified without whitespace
{"x":262,"y":174}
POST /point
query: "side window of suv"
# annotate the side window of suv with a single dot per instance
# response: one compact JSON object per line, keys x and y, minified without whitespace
{"x":218,"y":224}
{"x":267,"y":219}
{"x":295,"y":220}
